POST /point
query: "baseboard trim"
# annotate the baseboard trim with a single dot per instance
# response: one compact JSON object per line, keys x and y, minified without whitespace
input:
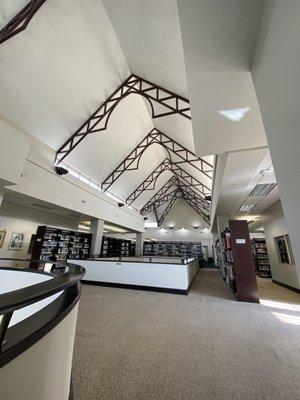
{"x":286,"y":286}
{"x":192,"y":281}
{"x":137,"y":287}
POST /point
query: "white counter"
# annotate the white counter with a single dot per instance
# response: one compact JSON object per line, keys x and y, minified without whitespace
{"x":167,"y":276}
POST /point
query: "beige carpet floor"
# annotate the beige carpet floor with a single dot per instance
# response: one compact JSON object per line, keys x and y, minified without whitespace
{"x":144,"y":345}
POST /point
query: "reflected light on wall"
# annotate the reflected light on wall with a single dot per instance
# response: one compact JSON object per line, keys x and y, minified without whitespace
{"x":235,"y":114}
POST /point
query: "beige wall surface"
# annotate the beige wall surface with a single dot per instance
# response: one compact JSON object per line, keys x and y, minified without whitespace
{"x":16,"y":218}
{"x":274,"y":225}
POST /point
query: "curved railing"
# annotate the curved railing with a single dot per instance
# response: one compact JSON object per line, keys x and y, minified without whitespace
{"x":65,"y":281}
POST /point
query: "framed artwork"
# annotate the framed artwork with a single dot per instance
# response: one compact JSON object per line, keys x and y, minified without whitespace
{"x":284,"y":249}
{"x":2,"y":237}
{"x":16,"y":241}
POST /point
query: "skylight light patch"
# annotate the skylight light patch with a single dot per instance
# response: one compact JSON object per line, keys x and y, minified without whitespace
{"x":236,"y":114}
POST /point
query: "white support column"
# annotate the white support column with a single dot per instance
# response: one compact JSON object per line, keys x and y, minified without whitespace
{"x":276,"y":80}
{"x":139,"y":246}
{"x":97,"y":231}
{"x":1,"y":198}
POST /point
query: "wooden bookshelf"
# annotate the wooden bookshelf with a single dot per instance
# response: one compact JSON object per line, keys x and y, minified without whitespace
{"x":113,"y":247}
{"x":55,"y":244}
{"x":173,"y":249}
{"x":261,"y":258}
{"x":237,"y":267}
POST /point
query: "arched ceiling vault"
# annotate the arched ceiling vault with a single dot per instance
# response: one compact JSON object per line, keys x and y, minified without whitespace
{"x":188,"y":177}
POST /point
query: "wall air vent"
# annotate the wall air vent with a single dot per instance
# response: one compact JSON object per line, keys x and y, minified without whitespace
{"x":41,"y":206}
{"x":246,"y":207}
{"x":262,"y":189}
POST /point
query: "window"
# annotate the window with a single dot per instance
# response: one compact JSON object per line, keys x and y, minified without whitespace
{"x":284,"y":249}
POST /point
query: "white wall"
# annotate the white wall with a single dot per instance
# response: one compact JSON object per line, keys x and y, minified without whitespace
{"x":274,"y":225}
{"x":277,"y":83}
{"x":12,"y":142}
{"x":16,"y":218}
{"x":40,"y":181}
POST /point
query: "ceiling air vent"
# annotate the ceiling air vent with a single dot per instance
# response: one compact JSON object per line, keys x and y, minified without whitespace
{"x":262,"y":189}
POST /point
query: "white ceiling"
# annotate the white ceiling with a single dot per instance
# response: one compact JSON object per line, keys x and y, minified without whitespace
{"x":243,"y":170}
{"x":74,"y":54}
{"x":149,"y":33}
{"x":60,"y":69}
{"x":219,"y":39}
{"x":9,"y":9}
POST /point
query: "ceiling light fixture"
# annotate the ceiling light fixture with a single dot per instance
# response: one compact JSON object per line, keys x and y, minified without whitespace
{"x":262,"y":189}
{"x":236,"y":114}
{"x":246,"y":207}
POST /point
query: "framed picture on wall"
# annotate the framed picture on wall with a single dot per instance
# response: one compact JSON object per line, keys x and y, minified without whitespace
{"x":2,"y":237}
{"x":16,"y":241}
{"x":284,"y":249}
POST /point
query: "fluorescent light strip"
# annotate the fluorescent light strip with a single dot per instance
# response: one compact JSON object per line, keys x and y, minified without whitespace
{"x":247,"y":207}
{"x":262,"y":189}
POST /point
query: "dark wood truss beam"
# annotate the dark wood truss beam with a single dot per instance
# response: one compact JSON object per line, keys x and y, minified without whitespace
{"x":149,"y":182}
{"x":164,"y":199}
{"x":194,"y":203}
{"x":131,"y":162}
{"x":167,"y":165}
{"x":148,"y":207}
{"x":168,"y":208}
{"x":171,"y":197}
{"x":168,"y":102}
{"x":184,"y":191}
{"x":156,"y":200}
{"x":21,"y":20}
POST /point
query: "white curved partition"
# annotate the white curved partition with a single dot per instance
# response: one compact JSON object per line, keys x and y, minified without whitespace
{"x":38,"y":313}
{"x":13,"y":280}
{"x":42,"y":372}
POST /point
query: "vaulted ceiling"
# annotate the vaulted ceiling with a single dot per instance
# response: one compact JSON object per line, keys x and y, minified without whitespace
{"x":67,"y":77}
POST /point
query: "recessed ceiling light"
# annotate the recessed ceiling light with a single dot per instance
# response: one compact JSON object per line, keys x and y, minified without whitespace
{"x":235,"y":114}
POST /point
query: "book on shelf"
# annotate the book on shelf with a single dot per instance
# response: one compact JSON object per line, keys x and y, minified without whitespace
{"x":56,"y":244}
{"x":235,"y":263}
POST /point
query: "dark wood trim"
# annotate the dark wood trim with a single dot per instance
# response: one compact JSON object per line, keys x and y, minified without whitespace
{"x":108,"y":259}
{"x":137,"y":287}
{"x":286,"y":286}
{"x":29,"y":331}
{"x":25,"y":296}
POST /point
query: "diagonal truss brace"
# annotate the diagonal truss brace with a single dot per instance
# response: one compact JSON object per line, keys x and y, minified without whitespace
{"x":21,"y":20}
{"x":167,"y":165}
{"x":150,"y":205}
{"x":131,"y":162}
{"x":172,"y":201}
{"x":161,"y":197}
{"x":169,"y":103}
